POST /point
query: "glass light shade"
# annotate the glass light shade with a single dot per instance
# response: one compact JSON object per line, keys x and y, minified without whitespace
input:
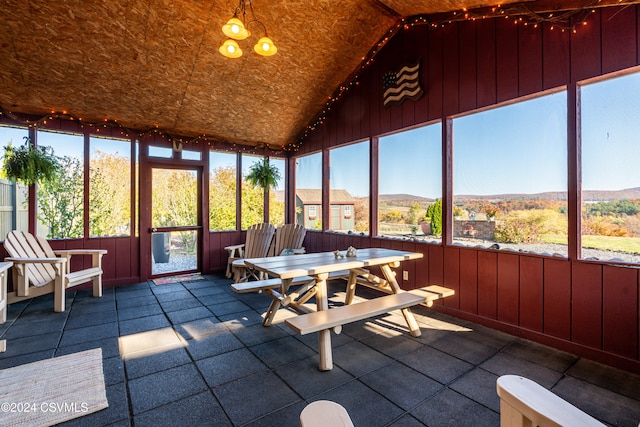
{"x":234,"y":28}
{"x":230,"y":49}
{"x":265,"y":47}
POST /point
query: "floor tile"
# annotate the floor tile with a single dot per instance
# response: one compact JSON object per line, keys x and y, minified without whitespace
{"x":252,"y":397}
{"x":308,"y":381}
{"x":402,"y":385}
{"x":230,"y":366}
{"x":164,"y":387}
{"x":436,"y":364}
{"x":200,"y":410}
{"x":450,"y":408}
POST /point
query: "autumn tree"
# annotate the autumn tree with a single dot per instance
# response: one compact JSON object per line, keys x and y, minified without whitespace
{"x":109,"y":195}
{"x":61,"y":201}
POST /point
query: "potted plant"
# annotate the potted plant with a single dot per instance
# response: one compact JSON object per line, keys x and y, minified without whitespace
{"x":29,"y":164}
{"x":262,"y":174}
{"x":491,"y":212}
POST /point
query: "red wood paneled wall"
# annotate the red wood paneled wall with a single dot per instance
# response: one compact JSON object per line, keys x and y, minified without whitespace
{"x":585,"y":307}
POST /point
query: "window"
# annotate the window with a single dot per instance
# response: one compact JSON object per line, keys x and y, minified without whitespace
{"x":161,"y":152}
{"x":252,"y":197}
{"x":349,"y":186}
{"x":610,"y":158}
{"x":309,"y":190}
{"x":222,"y":191}
{"x":347,"y":211}
{"x":191,"y":155}
{"x":276,"y":196}
{"x":61,"y":202}
{"x":14,"y":214}
{"x":313,"y":212}
{"x":510,"y":176}
{"x":109,"y":187}
{"x":410,"y":180}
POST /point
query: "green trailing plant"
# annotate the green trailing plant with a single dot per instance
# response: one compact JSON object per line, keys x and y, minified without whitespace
{"x":264,"y":175}
{"x":29,"y":164}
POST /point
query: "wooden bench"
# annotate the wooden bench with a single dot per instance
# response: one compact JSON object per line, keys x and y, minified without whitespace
{"x":338,"y":316}
{"x":525,"y":403}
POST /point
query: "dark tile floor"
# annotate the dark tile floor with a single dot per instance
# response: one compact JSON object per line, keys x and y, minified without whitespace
{"x":195,"y":353}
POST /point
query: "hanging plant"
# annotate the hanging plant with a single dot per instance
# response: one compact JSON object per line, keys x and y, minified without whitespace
{"x":29,"y":164}
{"x":264,"y":175}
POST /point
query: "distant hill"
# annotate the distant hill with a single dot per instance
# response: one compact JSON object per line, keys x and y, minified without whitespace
{"x":404,"y":198}
{"x":587,"y":196}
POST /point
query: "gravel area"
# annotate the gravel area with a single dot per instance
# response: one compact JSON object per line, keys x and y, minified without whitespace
{"x":551,"y":249}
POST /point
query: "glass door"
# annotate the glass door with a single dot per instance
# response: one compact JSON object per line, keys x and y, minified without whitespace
{"x":175,"y":221}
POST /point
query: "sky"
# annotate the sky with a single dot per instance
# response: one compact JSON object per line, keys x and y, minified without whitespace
{"x":518,"y":148}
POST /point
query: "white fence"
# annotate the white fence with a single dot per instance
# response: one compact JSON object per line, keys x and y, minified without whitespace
{"x":14,"y":212}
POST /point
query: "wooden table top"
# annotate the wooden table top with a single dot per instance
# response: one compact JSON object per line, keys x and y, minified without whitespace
{"x":291,"y":266}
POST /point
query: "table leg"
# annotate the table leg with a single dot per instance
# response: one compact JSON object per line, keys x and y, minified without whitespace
{"x":324,"y":337}
{"x":408,"y":315}
{"x":275,"y":302}
{"x":351,"y":286}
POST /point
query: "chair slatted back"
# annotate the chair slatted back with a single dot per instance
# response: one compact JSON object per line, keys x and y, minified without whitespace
{"x":258,"y":241}
{"x":288,"y":236}
{"x":19,"y":244}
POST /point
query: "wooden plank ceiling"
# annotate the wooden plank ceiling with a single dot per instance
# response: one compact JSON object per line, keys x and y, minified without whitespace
{"x":155,"y":63}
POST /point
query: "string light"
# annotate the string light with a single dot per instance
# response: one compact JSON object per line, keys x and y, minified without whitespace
{"x":114,"y":125}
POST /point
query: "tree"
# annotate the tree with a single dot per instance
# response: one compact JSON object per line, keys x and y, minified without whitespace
{"x":222,"y":199}
{"x":415,"y":214}
{"x":361,"y":214}
{"x":109,"y":195}
{"x":434,"y":214}
{"x":61,"y":201}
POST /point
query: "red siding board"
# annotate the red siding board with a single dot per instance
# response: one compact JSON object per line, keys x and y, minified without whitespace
{"x":486,"y":69}
{"x":434,"y":74}
{"x":468,"y":63}
{"x":506,"y":60}
{"x":531,"y":293}
{"x":585,"y":49}
{"x":586,"y":309}
{"x":620,"y":314}
{"x":451,"y":274}
{"x":507,"y":287}
{"x":469,"y":280}
{"x":555,"y":58}
{"x":617,"y":52}
{"x":122,"y":247}
{"x":557,"y":298}
{"x":487,"y":284}
{"x":409,"y":56}
{"x":436,"y":265}
{"x":451,"y":72}
{"x":422,"y":267}
{"x":421,"y":36}
{"x":529,"y":60}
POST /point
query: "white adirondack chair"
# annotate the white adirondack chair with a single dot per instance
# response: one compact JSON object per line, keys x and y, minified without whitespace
{"x":39,"y":270}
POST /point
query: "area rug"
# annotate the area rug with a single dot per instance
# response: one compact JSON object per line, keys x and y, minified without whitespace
{"x":52,"y":391}
{"x":178,"y":279}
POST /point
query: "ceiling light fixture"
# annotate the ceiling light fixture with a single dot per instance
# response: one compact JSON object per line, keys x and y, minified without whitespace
{"x":237,"y":28}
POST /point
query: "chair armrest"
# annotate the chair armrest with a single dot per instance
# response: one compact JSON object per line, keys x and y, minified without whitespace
{"x":4,"y":266}
{"x":37,"y":260}
{"x":80,"y":252}
{"x":234,"y":247}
